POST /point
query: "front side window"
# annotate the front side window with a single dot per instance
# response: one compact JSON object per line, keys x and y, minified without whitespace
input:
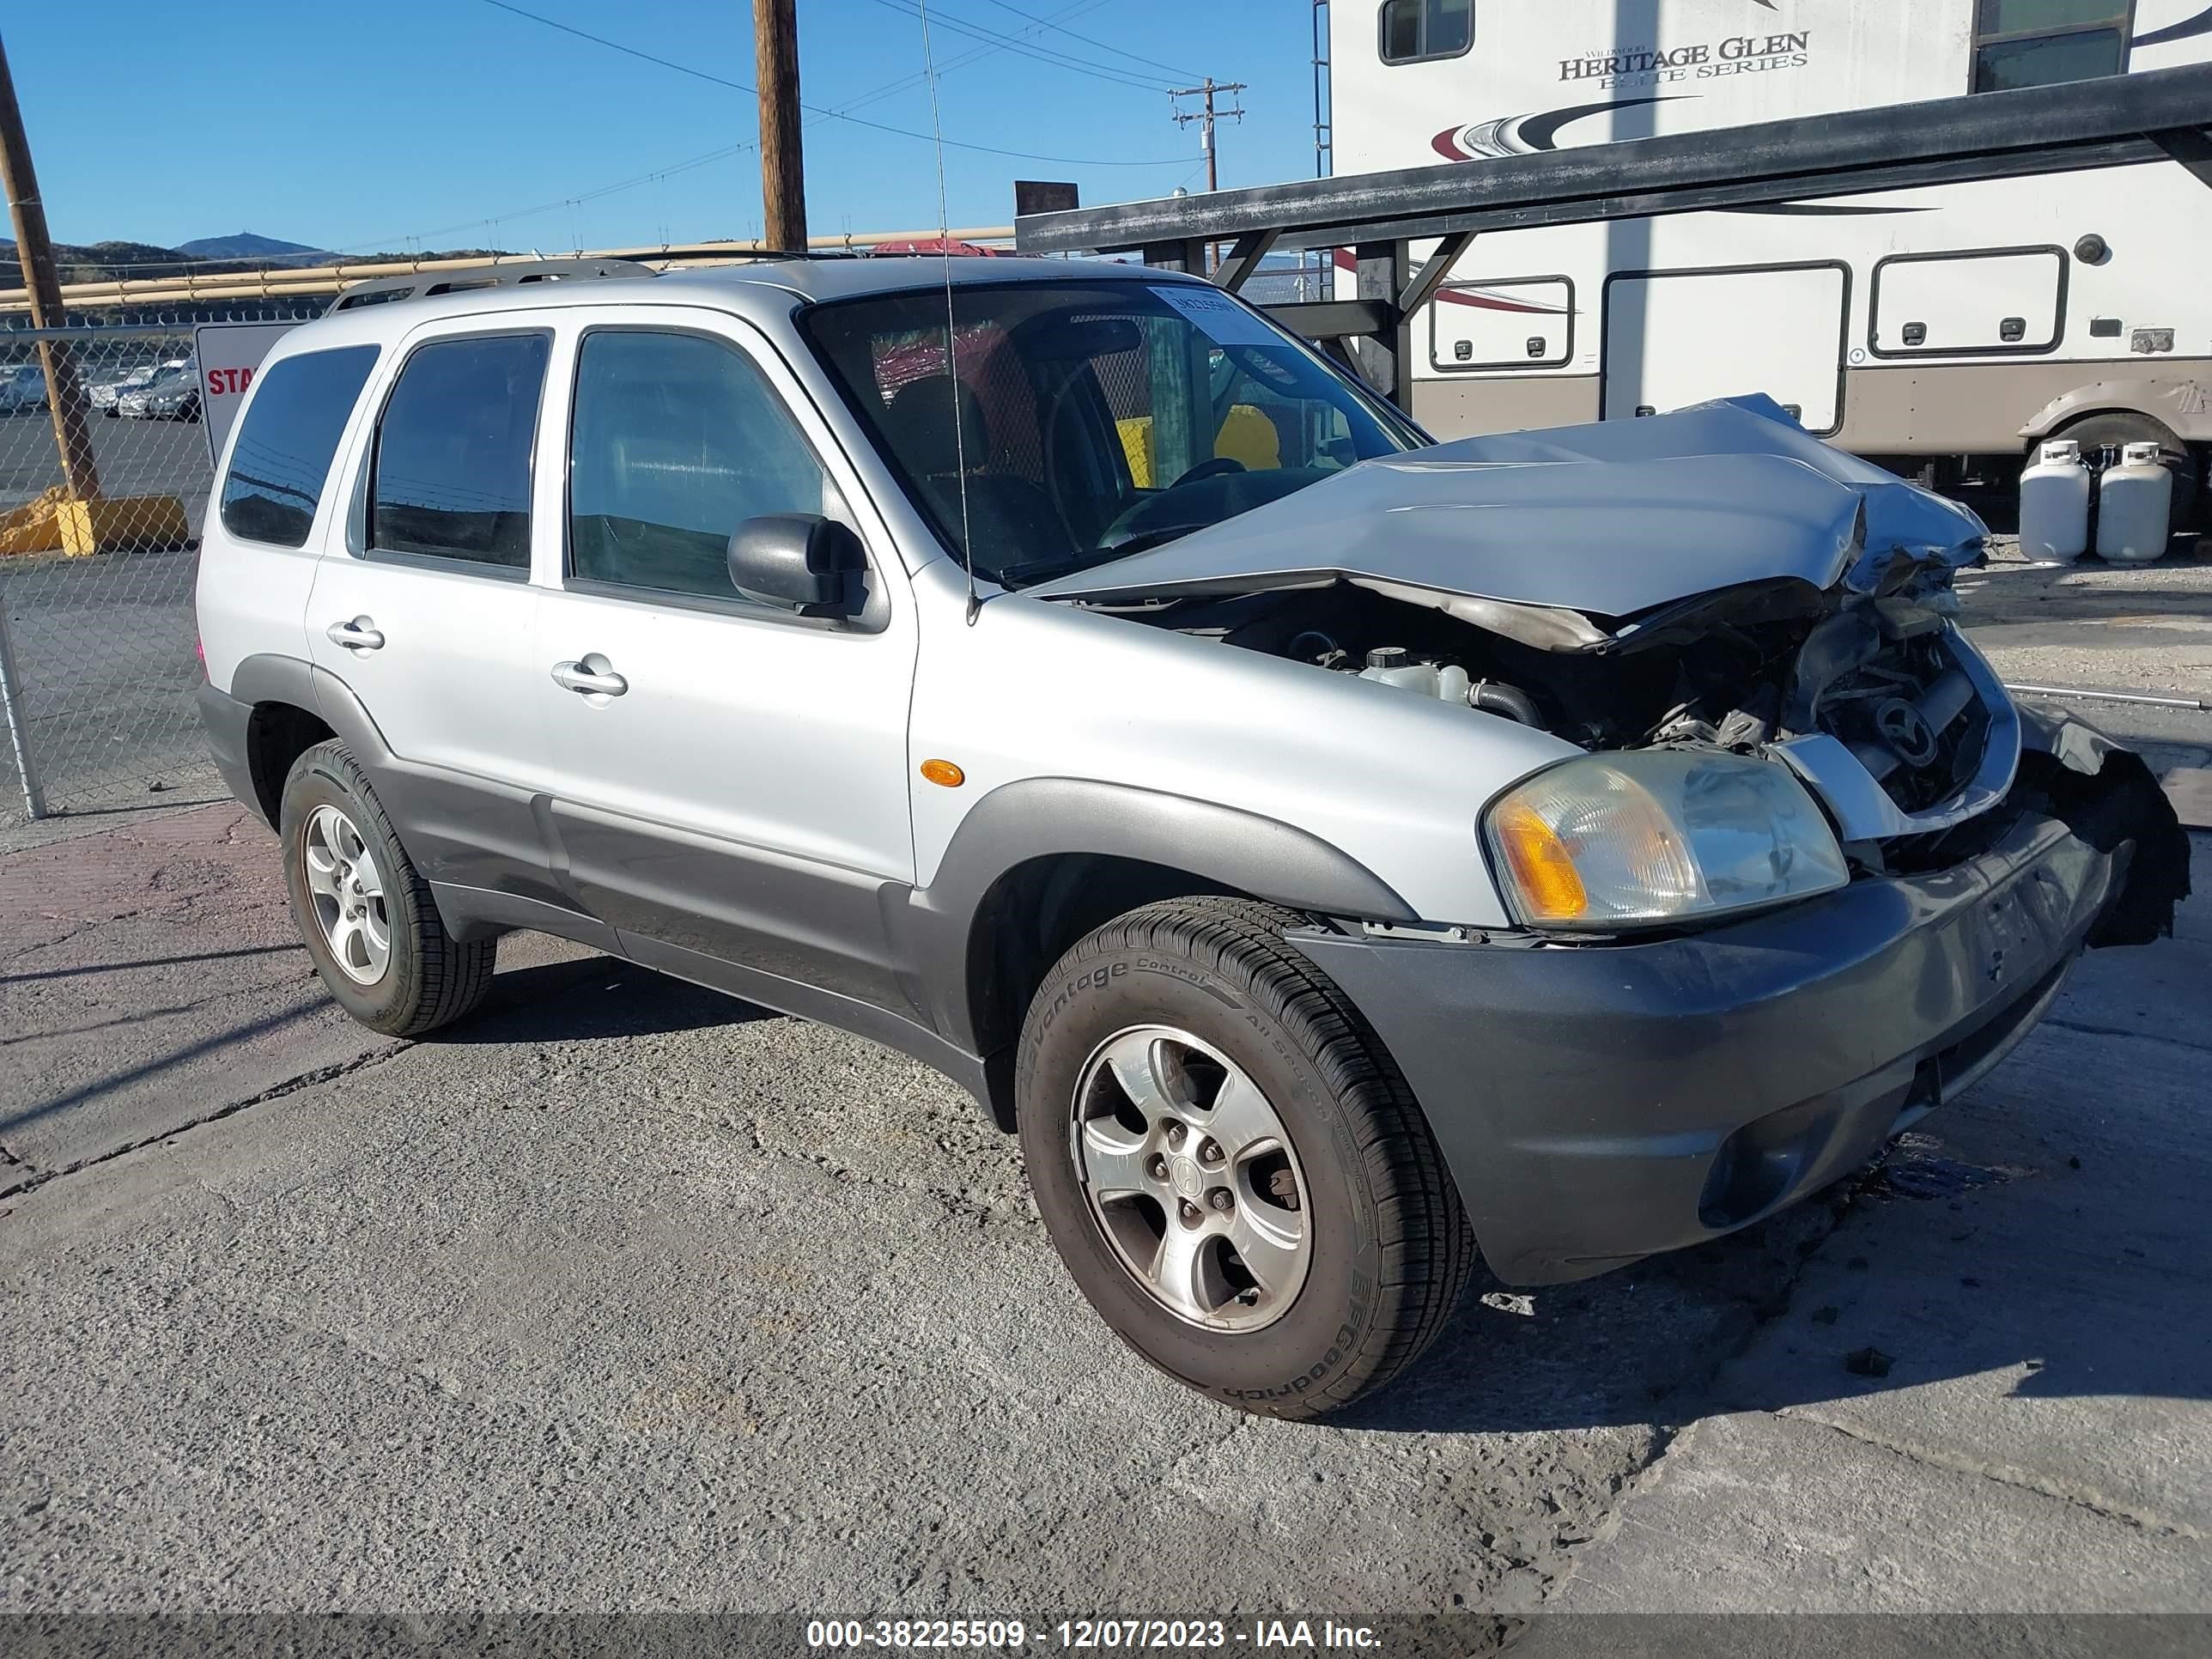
{"x":452,"y":473}
{"x":678,"y":440}
{"x":282,"y":460}
{"x":1416,"y":30}
{"x":2040,"y":43}
{"x":1056,"y":425}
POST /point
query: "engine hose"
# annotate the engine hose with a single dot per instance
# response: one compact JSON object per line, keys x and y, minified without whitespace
{"x":1495,"y":697}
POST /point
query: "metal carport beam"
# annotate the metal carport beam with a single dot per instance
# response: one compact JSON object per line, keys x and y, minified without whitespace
{"x":1992,"y":135}
{"x":2115,"y":121}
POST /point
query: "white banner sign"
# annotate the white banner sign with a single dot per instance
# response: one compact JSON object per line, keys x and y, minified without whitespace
{"x":228,"y":355}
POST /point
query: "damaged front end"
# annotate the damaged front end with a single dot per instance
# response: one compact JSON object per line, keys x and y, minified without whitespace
{"x":1714,"y":580}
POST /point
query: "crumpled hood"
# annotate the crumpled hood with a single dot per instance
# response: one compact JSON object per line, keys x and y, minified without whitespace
{"x":1608,"y":519}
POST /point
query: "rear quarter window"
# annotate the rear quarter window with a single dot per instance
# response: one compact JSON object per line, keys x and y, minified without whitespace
{"x":280,"y":460}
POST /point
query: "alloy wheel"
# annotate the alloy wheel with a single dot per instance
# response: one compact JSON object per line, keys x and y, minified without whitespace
{"x":1191,"y":1178}
{"x":347,"y":891}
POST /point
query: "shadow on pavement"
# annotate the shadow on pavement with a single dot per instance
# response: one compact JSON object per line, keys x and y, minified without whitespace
{"x":592,"y":999}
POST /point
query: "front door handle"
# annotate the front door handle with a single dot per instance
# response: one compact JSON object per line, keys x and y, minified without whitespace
{"x":360,"y":635}
{"x":593,"y":676}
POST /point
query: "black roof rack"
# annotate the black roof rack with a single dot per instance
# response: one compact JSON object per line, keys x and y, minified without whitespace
{"x":423,"y":285}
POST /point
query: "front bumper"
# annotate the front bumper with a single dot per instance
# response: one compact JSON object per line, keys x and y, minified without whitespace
{"x":1597,"y":1104}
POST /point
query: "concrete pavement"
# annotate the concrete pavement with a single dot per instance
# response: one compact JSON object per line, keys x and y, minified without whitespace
{"x":2030,"y":1271}
{"x":627,"y":1295}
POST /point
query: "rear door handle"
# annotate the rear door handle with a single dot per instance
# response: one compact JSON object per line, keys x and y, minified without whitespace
{"x":594,"y":676}
{"x":360,"y":635}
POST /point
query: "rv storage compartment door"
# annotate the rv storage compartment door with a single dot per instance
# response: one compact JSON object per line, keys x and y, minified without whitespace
{"x":1683,"y":337}
{"x":1968,"y":304}
{"x":1528,"y":322}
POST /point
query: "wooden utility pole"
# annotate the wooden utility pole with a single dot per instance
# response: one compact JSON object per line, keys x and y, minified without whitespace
{"x":34,"y":251}
{"x":783,"y":169}
{"x":1205,"y":116}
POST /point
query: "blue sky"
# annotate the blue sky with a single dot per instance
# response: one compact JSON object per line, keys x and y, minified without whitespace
{"x":445,"y":121}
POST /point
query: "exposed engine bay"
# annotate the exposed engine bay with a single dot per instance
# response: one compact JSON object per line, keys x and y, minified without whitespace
{"x":1880,"y":673}
{"x":1713,"y":578}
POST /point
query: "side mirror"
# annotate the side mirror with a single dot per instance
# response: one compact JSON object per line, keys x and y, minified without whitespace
{"x":801,"y":560}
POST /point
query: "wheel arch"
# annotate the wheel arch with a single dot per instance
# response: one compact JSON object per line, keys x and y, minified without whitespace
{"x":295,"y":706}
{"x":1038,"y":863}
{"x":2182,"y":407}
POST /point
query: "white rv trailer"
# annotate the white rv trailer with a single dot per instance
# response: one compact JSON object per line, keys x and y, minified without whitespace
{"x":1951,"y":324}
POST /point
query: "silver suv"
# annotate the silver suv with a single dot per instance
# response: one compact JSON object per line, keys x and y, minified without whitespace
{"x":1331,"y":853}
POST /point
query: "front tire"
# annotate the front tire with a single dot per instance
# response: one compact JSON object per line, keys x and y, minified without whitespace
{"x":1229,"y":1163}
{"x":364,"y":912}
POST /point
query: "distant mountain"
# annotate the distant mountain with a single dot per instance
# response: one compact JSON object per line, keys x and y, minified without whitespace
{"x":247,"y":246}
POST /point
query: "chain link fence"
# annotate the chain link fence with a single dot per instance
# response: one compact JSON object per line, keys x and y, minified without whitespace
{"x":98,"y":552}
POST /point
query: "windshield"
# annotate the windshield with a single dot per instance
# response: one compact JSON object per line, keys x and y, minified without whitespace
{"x":1072,"y":423}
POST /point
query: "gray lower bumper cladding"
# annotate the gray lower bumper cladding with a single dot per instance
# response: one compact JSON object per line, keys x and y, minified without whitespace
{"x":1601,"y":1102}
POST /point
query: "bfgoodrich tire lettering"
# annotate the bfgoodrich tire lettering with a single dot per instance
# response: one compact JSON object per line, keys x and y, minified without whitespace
{"x":1387,"y":1251}
{"x":428,"y":978}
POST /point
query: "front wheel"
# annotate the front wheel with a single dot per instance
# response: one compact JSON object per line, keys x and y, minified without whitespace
{"x":1234,"y":1171}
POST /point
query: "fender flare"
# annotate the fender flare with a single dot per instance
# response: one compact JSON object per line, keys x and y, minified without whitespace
{"x":271,"y":678}
{"x":1041,"y":817}
{"x":2183,"y":407}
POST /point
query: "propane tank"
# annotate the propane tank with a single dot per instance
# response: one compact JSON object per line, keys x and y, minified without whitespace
{"x":2135,"y":500}
{"x":2054,"y":504}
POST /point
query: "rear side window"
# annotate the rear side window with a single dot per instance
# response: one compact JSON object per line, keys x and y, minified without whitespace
{"x":452,"y":475}
{"x":282,"y":460}
{"x":677,"y":441}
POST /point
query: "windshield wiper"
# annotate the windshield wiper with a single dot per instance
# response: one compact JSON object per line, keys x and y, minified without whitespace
{"x":1043,"y":570}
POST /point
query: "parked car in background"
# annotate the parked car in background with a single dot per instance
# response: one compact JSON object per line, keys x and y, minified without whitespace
{"x":23,"y":388}
{"x":105,"y":391}
{"x":173,"y":394}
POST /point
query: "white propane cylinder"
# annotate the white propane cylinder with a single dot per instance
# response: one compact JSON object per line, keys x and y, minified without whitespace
{"x":2054,"y":504}
{"x":2135,"y":500}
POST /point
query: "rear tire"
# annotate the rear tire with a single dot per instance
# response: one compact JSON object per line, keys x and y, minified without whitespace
{"x":2115,"y":432}
{"x":364,"y":912}
{"x":1159,"y":1060}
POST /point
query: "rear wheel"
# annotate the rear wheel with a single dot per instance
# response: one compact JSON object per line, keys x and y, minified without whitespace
{"x":1232,"y":1167}
{"x":363,"y":911}
{"x":2113,"y":433}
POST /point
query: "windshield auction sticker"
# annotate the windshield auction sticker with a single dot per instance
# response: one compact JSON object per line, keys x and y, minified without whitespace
{"x":1219,"y":318}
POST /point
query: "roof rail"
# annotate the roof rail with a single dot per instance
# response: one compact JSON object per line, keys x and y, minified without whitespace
{"x":383,"y":290}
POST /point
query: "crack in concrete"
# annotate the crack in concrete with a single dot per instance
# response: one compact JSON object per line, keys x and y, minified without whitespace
{"x":967,"y":1205}
{"x":2005,"y":1474}
{"x":2088,"y":1028}
{"x":37,"y":1178}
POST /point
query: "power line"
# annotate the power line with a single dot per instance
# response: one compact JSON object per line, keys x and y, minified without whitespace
{"x":1042,"y":54}
{"x":1181,"y":73}
{"x":669,"y":171}
{"x":816,"y":109}
{"x":876,"y":95}
{"x":657,"y":174}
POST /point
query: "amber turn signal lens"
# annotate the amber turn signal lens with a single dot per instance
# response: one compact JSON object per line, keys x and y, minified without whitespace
{"x":1542,"y":867}
{"x":944,"y":772}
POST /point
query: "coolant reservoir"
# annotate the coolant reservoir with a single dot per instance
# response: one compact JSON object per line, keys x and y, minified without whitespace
{"x":2135,"y":500}
{"x":1393,"y":665}
{"x":2054,"y":504}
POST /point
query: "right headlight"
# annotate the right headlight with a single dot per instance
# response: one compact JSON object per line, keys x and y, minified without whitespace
{"x":1649,"y":836}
